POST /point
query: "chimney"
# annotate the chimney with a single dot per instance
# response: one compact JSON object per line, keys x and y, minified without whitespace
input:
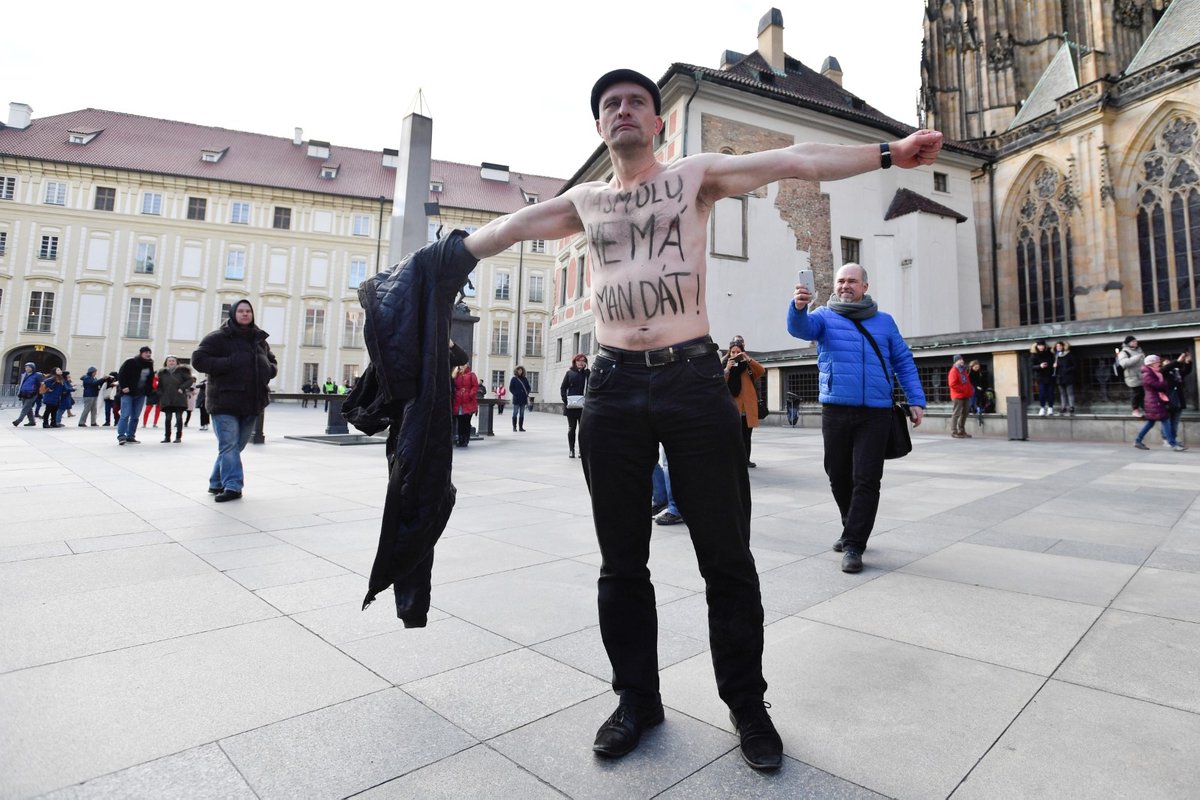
{"x":770,"y":40}
{"x":19,"y":115}
{"x":298,"y":137}
{"x":831,"y":69}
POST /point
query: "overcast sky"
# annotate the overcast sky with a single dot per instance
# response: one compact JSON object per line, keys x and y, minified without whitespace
{"x":505,"y":82}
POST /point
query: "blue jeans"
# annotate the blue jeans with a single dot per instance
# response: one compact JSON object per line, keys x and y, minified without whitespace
{"x":519,"y":414}
{"x":1168,"y":431}
{"x":131,"y":412}
{"x":855,"y":437}
{"x":662,"y":481}
{"x":686,"y":406}
{"x":233,"y":433}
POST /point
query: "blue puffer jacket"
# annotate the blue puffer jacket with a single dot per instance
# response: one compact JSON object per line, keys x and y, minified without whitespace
{"x":851,"y":374}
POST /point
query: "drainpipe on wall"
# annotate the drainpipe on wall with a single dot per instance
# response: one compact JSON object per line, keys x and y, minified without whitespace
{"x":991,"y":169}
{"x":697,"y":76}
{"x":379,"y":236}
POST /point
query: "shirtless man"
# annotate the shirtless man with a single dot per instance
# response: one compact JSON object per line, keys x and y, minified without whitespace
{"x":658,"y":378}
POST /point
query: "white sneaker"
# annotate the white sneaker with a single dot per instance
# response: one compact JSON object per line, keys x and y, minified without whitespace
{"x":1041,"y":412}
{"x":1049,"y":412}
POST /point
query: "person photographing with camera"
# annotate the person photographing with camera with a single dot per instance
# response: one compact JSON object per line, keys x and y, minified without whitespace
{"x":741,"y":374}
{"x":859,"y":348}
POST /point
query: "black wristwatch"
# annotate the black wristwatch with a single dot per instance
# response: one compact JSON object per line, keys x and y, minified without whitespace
{"x":885,"y":155}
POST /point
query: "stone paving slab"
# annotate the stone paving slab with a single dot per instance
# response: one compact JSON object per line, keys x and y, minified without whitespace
{"x":133,"y":659}
{"x":77,"y":719}
{"x":1059,"y":577}
{"x":1074,"y":742}
{"x":1140,"y":656}
{"x":343,"y":749}
{"x":901,"y":720}
{"x":1014,"y":630}
{"x":479,"y":772}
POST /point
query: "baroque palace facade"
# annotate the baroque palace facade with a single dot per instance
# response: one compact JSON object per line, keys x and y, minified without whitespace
{"x":118,"y":231}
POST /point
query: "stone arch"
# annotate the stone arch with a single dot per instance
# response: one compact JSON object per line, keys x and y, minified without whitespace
{"x":1164,"y":185}
{"x":1039,"y":250}
{"x":1125,"y":174}
{"x":44,"y":358}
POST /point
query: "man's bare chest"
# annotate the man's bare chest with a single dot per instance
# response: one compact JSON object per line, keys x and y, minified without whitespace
{"x":651,"y":226}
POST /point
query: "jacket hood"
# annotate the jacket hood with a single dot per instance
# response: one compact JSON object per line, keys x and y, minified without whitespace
{"x":230,"y":325}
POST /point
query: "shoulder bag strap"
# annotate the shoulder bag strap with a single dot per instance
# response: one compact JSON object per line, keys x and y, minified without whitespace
{"x":863,"y":330}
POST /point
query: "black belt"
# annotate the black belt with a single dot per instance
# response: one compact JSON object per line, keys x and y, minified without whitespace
{"x":663,"y":355}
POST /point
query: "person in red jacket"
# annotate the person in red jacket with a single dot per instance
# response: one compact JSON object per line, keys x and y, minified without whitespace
{"x":466,"y":402}
{"x":960,"y":395}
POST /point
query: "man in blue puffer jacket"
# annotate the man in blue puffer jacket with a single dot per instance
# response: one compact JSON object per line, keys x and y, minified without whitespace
{"x":856,"y":397}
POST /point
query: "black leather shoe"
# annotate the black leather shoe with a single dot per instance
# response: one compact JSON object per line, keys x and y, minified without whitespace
{"x":227,"y":495}
{"x":216,"y":489}
{"x":852,"y":561}
{"x":656,"y":507}
{"x":667,"y":518}
{"x":761,"y":746}
{"x":622,"y":731}
{"x":840,"y":545}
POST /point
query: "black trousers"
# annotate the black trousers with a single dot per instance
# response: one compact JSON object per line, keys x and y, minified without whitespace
{"x":855,"y":438}
{"x":573,"y":415}
{"x":686,"y":406}
{"x":464,"y":429}
{"x":177,"y":415}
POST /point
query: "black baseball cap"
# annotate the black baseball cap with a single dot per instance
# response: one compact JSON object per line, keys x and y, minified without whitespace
{"x":624,"y":76}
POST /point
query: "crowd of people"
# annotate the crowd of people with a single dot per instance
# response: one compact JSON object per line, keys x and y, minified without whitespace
{"x":53,"y":395}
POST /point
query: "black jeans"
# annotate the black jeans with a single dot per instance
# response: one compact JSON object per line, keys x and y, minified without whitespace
{"x":855,"y":438}
{"x":177,"y":413}
{"x":685,"y":405}
{"x":573,"y":415}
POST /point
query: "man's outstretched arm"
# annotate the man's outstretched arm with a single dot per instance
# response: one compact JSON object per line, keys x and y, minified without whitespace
{"x":552,"y":219}
{"x":726,"y":176}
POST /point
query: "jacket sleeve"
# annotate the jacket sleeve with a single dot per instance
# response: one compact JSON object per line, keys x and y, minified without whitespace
{"x":566,"y":382}
{"x":209,"y":359}
{"x":756,"y":369}
{"x":804,"y":325}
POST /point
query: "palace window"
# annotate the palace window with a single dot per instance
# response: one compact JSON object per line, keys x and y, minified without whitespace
{"x":537,"y":289}
{"x":1168,"y":219}
{"x":500,"y":337}
{"x":49,"y":249}
{"x":145,"y":258}
{"x":1045,"y":269}
{"x":41,"y":312}
{"x":197,"y":208}
{"x":151,"y":203}
{"x":314,"y":327}
{"x":502,"y":283}
{"x":283,"y":218}
{"x":137,"y":325}
{"x":239,"y":213}
{"x":56,"y":193}
{"x":106,"y":198}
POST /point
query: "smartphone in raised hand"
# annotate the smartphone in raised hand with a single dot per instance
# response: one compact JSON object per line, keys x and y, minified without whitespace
{"x":805,"y":277}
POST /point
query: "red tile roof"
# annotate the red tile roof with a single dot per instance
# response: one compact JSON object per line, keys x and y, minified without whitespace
{"x":906,"y":201}
{"x":166,"y":147}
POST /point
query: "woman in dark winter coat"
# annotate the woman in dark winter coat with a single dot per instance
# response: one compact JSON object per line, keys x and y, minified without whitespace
{"x":519,"y":390}
{"x":239,"y":365}
{"x":1041,"y":362}
{"x":1176,"y":373}
{"x":1064,"y":377}
{"x":1155,"y":404}
{"x":574,"y":383}
{"x":174,"y":384}
{"x":466,"y":402}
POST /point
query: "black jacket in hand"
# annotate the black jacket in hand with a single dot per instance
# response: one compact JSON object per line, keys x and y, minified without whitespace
{"x":407,"y":389}
{"x":239,"y":364}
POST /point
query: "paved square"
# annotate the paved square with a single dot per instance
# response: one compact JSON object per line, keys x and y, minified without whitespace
{"x":1026,"y":626}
